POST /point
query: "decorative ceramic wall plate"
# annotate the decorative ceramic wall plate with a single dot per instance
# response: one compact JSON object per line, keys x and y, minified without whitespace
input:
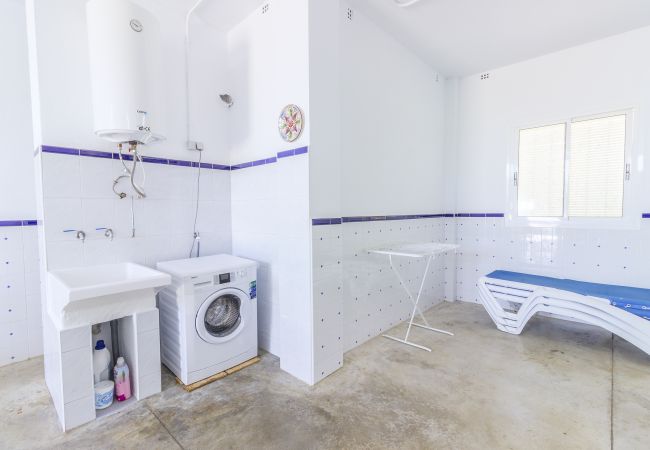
{"x":291,"y":123}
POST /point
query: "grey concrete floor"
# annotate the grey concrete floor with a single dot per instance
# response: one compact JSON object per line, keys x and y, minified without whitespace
{"x":558,"y":385}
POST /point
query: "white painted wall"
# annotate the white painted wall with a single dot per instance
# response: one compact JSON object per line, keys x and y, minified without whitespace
{"x":379,"y":122}
{"x":208,"y":78}
{"x":64,"y":80}
{"x":602,"y":76}
{"x":392,"y":124}
{"x":268,"y":67}
{"x":17,"y":192}
{"x":325,"y":108}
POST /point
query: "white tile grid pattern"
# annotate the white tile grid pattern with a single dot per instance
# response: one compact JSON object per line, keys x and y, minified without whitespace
{"x":603,"y":256}
{"x":255,"y":237}
{"x":20,"y":300}
{"x":356,"y":294}
{"x":270,"y":222}
{"x":78,"y":195}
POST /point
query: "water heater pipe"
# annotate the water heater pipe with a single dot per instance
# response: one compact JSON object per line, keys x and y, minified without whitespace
{"x":190,"y":144}
{"x":196,"y":241}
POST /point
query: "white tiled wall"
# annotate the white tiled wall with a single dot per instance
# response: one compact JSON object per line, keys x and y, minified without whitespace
{"x":255,"y":236}
{"x":20,"y":300}
{"x":356,"y":294}
{"x":270,"y":222}
{"x":78,"y":195}
{"x":604,"y":256}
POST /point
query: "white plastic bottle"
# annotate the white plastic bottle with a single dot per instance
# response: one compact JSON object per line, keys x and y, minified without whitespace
{"x":101,"y":362}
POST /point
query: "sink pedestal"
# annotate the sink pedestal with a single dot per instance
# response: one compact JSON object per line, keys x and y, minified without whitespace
{"x":69,"y":365}
{"x":72,"y":310}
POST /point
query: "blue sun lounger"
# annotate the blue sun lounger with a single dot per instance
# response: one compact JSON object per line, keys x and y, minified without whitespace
{"x":512,"y":298}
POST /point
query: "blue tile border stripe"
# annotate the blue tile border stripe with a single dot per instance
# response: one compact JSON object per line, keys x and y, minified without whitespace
{"x":18,"y":223}
{"x":479,"y":215}
{"x":293,"y":152}
{"x":59,"y":150}
{"x":273,"y":159}
{"x":326,"y":221}
{"x":96,"y":154}
{"x":352,"y":219}
{"x":174,"y":162}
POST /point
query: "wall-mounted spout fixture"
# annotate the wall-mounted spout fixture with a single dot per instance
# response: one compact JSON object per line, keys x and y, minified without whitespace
{"x":227,"y":99}
{"x":81,"y":235}
{"x":108,"y":232}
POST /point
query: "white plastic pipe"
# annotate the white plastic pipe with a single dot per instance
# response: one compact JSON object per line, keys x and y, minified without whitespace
{"x":196,"y":241}
{"x":187,"y":69}
{"x":405,"y":3}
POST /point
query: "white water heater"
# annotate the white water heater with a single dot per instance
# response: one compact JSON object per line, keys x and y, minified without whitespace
{"x":125,"y":69}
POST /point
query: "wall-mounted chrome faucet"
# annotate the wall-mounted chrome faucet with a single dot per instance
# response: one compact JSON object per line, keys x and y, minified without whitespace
{"x":108,"y":232}
{"x":81,"y":235}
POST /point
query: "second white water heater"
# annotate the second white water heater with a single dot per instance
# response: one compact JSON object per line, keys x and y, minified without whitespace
{"x":125,"y":69}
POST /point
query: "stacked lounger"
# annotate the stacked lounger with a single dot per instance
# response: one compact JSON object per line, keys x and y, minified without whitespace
{"x":512,"y":298}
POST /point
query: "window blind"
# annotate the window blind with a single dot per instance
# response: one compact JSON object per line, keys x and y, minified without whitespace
{"x":597,"y":167}
{"x":540,"y":182}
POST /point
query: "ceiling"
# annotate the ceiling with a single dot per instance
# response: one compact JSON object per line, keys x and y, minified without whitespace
{"x":463,"y":37}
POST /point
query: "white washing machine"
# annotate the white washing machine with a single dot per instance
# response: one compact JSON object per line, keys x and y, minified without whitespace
{"x":208,"y":315}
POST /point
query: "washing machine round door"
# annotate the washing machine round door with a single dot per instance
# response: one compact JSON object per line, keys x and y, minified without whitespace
{"x":222,"y":315}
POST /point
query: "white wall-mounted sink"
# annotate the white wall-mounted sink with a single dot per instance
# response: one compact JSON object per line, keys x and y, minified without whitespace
{"x":96,"y":294}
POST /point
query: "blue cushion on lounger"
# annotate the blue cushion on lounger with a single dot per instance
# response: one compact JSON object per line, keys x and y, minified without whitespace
{"x":633,"y":300}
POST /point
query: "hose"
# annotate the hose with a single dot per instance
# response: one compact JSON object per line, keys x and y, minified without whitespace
{"x":196,"y":242}
{"x":131,"y":172}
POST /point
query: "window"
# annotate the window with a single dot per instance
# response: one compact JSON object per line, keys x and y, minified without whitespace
{"x":597,"y":167}
{"x":573,"y":170}
{"x":541,"y":171}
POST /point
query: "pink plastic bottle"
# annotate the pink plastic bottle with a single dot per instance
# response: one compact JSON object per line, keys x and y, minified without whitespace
{"x":122,"y":380}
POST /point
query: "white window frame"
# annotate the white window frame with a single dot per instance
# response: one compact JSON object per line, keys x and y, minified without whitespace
{"x":631,"y":218}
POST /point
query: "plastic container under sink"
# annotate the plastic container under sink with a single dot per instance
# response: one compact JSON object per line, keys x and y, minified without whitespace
{"x":104,"y":393}
{"x":101,"y":362}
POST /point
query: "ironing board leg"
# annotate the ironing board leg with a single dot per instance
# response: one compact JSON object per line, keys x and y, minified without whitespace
{"x":415,"y":307}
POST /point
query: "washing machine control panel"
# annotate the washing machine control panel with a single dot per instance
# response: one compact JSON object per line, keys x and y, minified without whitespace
{"x":229,"y":277}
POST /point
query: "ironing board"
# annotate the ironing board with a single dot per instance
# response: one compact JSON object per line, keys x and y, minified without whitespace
{"x":428,"y":250}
